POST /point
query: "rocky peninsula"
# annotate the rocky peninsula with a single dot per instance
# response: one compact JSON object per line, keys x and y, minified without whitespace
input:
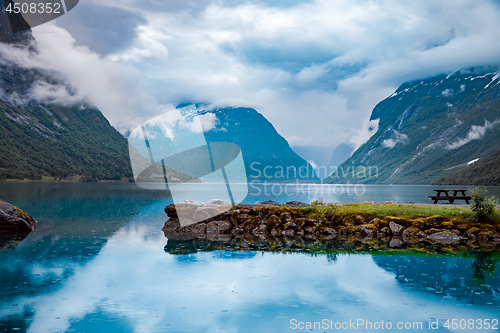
{"x":377,"y":226}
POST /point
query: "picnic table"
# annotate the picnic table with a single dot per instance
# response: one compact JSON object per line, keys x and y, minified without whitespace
{"x":450,"y":198}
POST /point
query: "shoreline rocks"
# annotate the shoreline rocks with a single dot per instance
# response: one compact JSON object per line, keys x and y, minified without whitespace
{"x":270,"y":219}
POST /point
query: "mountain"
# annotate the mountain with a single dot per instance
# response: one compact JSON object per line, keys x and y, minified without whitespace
{"x":430,"y":130}
{"x":318,"y":157}
{"x":340,"y":154}
{"x":50,"y":138}
{"x":261,"y":145}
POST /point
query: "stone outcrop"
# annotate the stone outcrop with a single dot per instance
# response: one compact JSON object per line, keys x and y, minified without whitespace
{"x":15,"y":224}
{"x":299,"y":221}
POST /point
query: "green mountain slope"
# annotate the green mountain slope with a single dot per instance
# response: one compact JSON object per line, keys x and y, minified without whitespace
{"x":52,"y":139}
{"x":261,"y":146}
{"x":430,"y":129}
{"x":486,"y":171}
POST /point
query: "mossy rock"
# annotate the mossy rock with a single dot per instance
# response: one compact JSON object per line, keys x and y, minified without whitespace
{"x":399,"y":220}
{"x":418,"y":223}
{"x":273,"y":221}
{"x":448,"y":225}
{"x":487,"y":227}
{"x":473,"y":231}
{"x":435,"y":220}
{"x":379,"y":223}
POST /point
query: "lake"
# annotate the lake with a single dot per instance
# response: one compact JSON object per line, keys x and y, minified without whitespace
{"x":91,"y":266}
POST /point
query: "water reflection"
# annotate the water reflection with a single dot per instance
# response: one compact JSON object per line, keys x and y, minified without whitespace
{"x":112,"y":274}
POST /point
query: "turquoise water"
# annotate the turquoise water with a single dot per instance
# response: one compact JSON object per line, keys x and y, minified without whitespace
{"x":91,"y":266}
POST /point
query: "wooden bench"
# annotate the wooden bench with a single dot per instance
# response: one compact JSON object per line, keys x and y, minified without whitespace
{"x":450,"y":198}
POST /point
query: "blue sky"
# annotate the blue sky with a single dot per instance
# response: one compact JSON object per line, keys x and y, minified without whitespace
{"x":314,"y":68}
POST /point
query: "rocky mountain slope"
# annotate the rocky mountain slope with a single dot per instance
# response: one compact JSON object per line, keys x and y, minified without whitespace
{"x":430,"y":130}
{"x":48,"y":137}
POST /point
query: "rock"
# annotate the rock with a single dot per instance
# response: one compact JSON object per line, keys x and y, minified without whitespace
{"x":311,"y":230}
{"x":484,"y":237}
{"x":187,"y":208}
{"x":261,"y":229}
{"x":410,"y":234}
{"x":330,"y":232}
{"x":289,"y":232}
{"x":286,"y":218}
{"x":203,"y":213}
{"x":267,"y":203}
{"x":195,"y":229}
{"x":369,"y":230}
{"x":172,"y":225}
{"x":395,"y":242}
{"x":14,"y":223}
{"x":273,"y":222}
{"x":396,"y":229}
{"x":385,"y":230}
{"x":170,"y":210}
{"x":296,"y":204}
{"x":444,"y":237}
{"x":389,"y":203}
{"x":218,"y":228}
{"x":217,"y":202}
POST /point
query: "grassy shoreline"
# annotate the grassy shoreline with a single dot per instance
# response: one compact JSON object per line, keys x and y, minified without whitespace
{"x":382,"y":225}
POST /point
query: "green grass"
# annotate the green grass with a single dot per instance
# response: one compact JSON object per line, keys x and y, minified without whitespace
{"x":462,"y":214}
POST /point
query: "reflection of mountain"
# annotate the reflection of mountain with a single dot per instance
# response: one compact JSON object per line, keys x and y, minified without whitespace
{"x":449,"y":277}
{"x":75,"y":222}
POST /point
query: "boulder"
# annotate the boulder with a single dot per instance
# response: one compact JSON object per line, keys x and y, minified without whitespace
{"x":14,"y":222}
{"x":369,"y":230}
{"x":267,"y":203}
{"x":187,"y":208}
{"x":296,"y":204}
{"x":217,"y":202}
{"x":396,"y":229}
{"x":170,"y":210}
{"x":396,"y":242}
{"x":444,"y":237}
{"x":203,"y":213}
{"x":218,"y":228}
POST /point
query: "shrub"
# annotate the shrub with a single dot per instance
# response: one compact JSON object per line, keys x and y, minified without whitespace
{"x":483,"y":205}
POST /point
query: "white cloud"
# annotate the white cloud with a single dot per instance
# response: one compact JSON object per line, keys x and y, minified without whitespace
{"x":447,"y":93}
{"x":200,"y":124}
{"x":395,"y":139}
{"x":331,"y":62}
{"x":120,"y":91}
{"x":368,"y":129}
{"x":44,"y":92}
{"x":475,"y":133}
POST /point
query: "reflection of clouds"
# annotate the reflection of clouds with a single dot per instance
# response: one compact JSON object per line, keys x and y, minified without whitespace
{"x":133,"y":278}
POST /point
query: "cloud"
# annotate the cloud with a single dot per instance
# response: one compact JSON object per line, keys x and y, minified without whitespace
{"x":475,"y":133}
{"x":395,"y":139}
{"x":368,"y":128}
{"x":447,"y":93}
{"x":120,"y":91}
{"x":326,"y":61}
{"x":44,"y":92}
{"x":200,"y":124}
